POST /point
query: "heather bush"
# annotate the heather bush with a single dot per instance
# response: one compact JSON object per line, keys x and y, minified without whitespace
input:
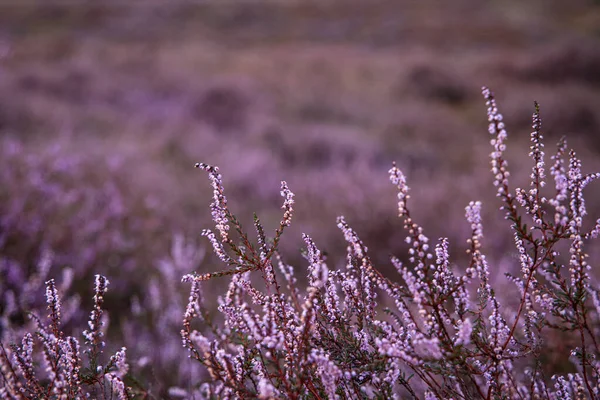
{"x":446,"y":333}
{"x":49,"y":363}
{"x":440,"y":330}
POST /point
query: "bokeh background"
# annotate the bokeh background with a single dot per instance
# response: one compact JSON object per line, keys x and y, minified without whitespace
{"x":106,"y":106}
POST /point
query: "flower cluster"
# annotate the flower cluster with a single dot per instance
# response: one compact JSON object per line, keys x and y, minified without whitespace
{"x":58,"y":371}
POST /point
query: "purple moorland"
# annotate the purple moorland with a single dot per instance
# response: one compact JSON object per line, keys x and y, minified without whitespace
{"x":439,"y":332}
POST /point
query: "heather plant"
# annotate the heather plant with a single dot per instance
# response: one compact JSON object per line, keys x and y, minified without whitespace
{"x":447,"y":333}
{"x":50,"y":363}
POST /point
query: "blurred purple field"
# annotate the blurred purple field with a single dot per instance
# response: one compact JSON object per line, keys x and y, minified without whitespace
{"x":105,"y":108}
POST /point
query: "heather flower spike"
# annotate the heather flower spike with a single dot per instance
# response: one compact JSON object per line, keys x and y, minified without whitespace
{"x":219,"y":204}
{"x":53,"y":306}
{"x":288,"y":196}
{"x":94,"y":335}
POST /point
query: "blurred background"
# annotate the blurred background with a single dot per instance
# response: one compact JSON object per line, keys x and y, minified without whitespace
{"x":106,"y":106}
